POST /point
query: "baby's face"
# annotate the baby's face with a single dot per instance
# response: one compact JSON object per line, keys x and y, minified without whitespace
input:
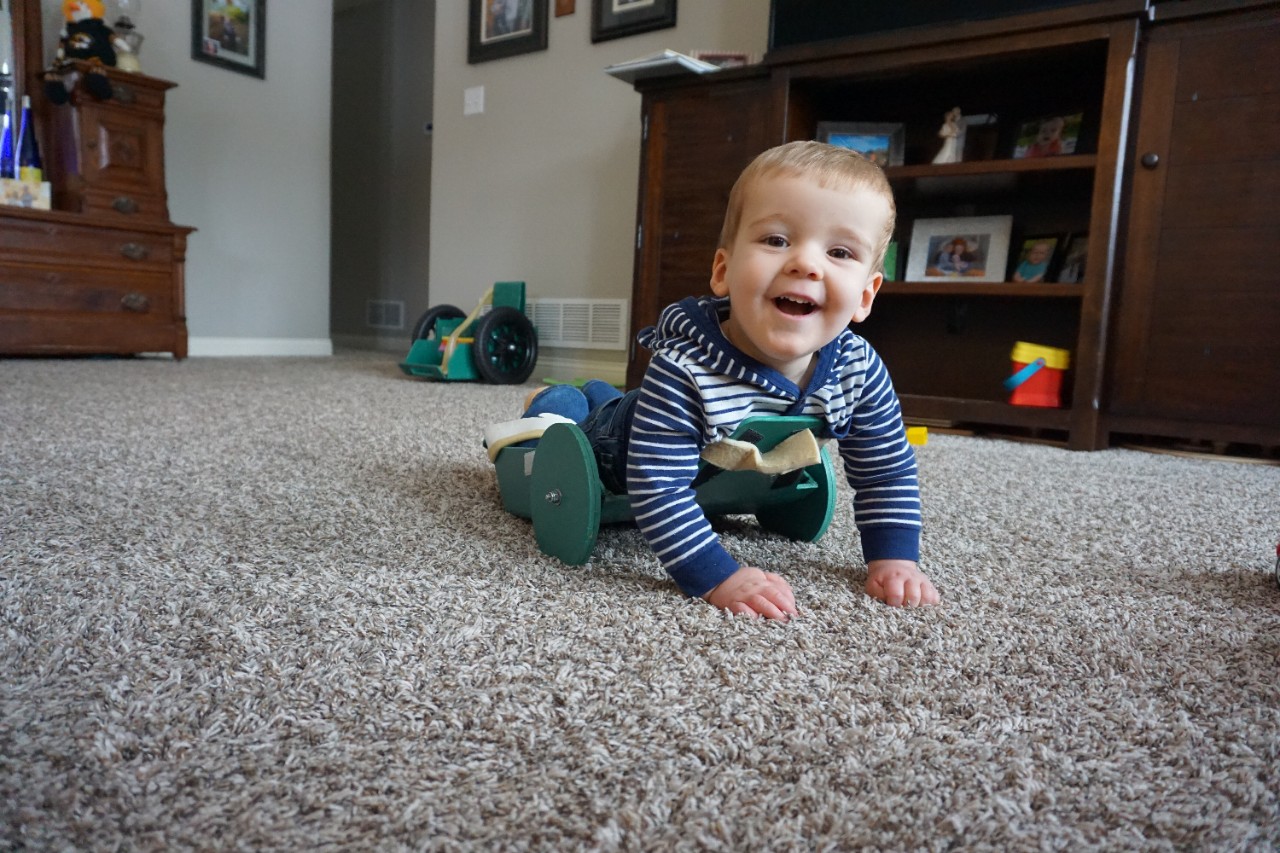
{"x":1050,"y":130}
{"x":801,"y":268}
{"x":1038,"y":253}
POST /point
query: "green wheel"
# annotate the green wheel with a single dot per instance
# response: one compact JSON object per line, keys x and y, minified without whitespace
{"x":806,"y":518}
{"x":565,"y":495}
{"x":506,"y":346}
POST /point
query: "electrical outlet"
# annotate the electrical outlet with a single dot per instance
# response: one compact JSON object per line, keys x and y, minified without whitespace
{"x":473,"y":100}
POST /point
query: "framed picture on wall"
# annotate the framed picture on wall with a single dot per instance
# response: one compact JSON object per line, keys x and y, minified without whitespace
{"x":231,"y":35}
{"x":613,"y":19}
{"x":501,"y":28}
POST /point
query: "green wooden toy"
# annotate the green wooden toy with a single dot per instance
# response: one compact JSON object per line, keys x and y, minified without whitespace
{"x":557,"y":486}
{"x":499,"y":345}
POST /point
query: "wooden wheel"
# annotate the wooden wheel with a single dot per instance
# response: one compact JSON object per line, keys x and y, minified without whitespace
{"x":806,"y":518}
{"x":565,"y":495}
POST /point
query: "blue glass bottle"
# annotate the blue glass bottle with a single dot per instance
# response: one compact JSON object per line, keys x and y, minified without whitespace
{"x":6,"y":149}
{"x":30,"y":167}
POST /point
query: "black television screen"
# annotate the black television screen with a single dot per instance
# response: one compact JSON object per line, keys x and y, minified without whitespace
{"x":795,"y":22}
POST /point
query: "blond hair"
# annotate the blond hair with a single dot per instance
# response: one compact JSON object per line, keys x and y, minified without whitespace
{"x":827,"y":165}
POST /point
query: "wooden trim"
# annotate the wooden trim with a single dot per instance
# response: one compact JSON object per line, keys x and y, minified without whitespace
{"x":959,"y":31}
{"x":1186,"y":9}
{"x":1091,"y":344}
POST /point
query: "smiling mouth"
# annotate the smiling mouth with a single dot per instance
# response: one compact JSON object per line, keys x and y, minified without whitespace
{"x":795,"y":307}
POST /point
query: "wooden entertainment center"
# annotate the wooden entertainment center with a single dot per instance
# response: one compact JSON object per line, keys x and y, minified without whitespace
{"x":1174,"y":327}
{"x":103,"y":271}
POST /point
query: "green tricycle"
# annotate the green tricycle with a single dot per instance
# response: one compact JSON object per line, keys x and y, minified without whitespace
{"x":771,"y":467}
{"x":499,"y":345}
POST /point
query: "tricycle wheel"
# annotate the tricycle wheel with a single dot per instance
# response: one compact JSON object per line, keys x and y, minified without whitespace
{"x":807,"y":518}
{"x":565,"y":495}
{"x":427,"y":322}
{"x":506,"y":346}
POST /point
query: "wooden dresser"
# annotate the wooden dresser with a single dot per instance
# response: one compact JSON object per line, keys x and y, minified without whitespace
{"x":104,"y":272}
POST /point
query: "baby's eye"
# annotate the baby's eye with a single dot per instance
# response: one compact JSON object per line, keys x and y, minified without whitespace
{"x":777,"y":241}
{"x":841,"y":253}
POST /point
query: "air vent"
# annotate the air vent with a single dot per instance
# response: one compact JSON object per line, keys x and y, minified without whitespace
{"x":580,"y":323}
{"x":384,"y":314}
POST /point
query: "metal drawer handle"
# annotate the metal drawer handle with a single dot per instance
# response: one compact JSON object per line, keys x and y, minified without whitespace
{"x":124,"y":204}
{"x":135,"y":251}
{"x":136,"y":302}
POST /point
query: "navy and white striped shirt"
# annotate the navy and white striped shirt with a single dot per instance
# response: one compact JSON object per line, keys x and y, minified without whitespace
{"x":699,"y":387}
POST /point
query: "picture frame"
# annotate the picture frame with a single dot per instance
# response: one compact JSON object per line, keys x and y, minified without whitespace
{"x":979,"y":136}
{"x":890,"y":265}
{"x":1035,"y":261}
{"x":497,"y":29}
{"x":1075,"y":255}
{"x":230,"y":35}
{"x":613,"y":19}
{"x":967,"y":248}
{"x":880,"y":142}
{"x":1048,"y":136}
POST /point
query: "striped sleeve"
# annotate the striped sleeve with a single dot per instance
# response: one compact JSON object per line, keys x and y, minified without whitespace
{"x":880,"y":466}
{"x":661,"y":465}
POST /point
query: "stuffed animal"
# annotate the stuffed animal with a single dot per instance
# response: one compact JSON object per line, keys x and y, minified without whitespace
{"x":85,"y":36}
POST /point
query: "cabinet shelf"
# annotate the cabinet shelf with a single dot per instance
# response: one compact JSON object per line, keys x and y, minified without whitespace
{"x":992,"y":167}
{"x":982,"y":288}
{"x":962,"y":410}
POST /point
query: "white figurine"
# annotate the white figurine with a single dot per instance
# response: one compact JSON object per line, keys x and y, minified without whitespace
{"x":952,"y":127}
{"x":127,"y":43}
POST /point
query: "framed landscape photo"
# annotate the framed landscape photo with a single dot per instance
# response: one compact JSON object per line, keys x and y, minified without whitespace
{"x":231,"y":34}
{"x":497,"y":29}
{"x":614,"y":19}
{"x":1048,"y":136}
{"x":1074,"y":256}
{"x":879,"y":142}
{"x":1035,"y":259}
{"x":971,"y":248}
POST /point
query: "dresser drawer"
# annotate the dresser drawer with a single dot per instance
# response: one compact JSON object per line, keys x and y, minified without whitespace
{"x":124,"y":204}
{"x":43,"y":241}
{"x":36,"y":288}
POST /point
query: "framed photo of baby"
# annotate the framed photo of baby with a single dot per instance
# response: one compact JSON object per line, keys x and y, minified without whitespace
{"x":1048,"y":136}
{"x":231,"y":34}
{"x":973,"y":248}
{"x":1035,"y":260}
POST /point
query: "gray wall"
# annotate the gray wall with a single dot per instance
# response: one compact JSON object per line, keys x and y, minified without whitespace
{"x":542,"y":186}
{"x":247,"y":163}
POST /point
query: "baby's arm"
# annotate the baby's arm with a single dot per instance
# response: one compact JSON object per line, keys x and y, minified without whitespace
{"x":900,"y":583}
{"x":753,"y":592}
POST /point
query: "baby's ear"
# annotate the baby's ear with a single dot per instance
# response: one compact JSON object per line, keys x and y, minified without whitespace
{"x":720,"y":273}
{"x":869,"y":291}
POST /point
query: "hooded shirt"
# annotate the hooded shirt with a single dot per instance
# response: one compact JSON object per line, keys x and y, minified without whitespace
{"x":699,"y":387}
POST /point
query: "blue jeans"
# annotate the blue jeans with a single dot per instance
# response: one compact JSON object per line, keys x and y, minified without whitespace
{"x":604,"y":415}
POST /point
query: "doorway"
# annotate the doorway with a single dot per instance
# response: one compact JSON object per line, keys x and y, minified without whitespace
{"x":380,"y":162}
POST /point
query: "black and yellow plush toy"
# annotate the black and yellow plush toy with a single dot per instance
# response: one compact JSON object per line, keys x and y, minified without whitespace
{"x":85,"y":36}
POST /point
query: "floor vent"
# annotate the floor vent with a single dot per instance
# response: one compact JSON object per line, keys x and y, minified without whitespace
{"x":581,"y":323}
{"x":384,"y":314}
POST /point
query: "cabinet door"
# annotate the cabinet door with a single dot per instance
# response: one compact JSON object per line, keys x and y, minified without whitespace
{"x":1197,"y":342}
{"x":697,"y":141}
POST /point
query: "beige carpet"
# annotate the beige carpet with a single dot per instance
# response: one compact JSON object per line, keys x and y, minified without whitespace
{"x":275,"y":604}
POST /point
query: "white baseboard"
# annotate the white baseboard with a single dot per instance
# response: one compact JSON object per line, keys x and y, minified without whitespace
{"x":567,"y":369}
{"x":377,"y":343}
{"x":230,"y":347}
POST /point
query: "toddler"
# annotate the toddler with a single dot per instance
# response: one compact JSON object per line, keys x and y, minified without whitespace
{"x":799,"y":259}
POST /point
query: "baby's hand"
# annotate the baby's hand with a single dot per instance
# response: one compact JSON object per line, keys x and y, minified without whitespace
{"x":755,"y":593}
{"x":899,"y":583}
